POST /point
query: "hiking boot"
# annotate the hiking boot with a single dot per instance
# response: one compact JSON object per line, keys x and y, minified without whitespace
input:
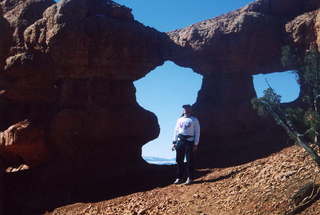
{"x":178,"y":181}
{"x":188,"y":181}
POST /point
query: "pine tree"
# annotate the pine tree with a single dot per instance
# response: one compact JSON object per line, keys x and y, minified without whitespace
{"x":302,"y":122}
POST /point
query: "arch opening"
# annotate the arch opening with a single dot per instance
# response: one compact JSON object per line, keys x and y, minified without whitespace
{"x":163,"y":91}
{"x":284,"y":83}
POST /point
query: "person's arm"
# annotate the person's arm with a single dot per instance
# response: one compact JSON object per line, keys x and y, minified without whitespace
{"x":175,"y":136}
{"x":175,"y":132}
{"x":196,"y":132}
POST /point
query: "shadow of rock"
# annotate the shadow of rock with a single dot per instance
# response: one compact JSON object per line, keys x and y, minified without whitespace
{"x":223,"y":152}
{"x":30,"y":198}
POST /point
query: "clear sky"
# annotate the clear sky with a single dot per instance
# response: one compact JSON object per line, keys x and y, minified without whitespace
{"x":168,"y":15}
{"x":164,"y":90}
{"x":284,"y":83}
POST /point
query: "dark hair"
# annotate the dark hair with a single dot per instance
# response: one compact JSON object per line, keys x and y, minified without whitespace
{"x":187,"y":106}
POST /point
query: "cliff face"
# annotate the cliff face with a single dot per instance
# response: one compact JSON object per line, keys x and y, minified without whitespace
{"x":5,"y":37}
{"x":227,"y":51}
{"x":70,"y":72}
{"x":68,"y":68}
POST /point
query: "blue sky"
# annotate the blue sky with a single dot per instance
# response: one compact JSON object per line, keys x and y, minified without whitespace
{"x":168,"y":15}
{"x":284,"y":83}
{"x":164,"y":90}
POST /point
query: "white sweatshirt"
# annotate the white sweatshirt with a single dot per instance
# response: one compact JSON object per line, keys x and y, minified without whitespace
{"x":188,"y":126}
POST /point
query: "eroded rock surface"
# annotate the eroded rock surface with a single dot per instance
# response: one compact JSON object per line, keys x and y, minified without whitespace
{"x":227,"y":51}
{"x":21,"y":14}
{"x":102,"y":36}
{"x":304,"y":30}
{"x":69,"y":69}
{"x":23,"y":144}
{"x":5,"y":38}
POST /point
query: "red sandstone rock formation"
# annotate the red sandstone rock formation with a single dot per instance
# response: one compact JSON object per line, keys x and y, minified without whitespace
{"x":23,"y":144}
{"x":305,"y":30}
{"x":71,"y":66}
{"x":106,"y":29}
{"x":79,"y":67}
{"x":20,"y":15}
{"x":227,"y":51}
{"x":5,"y":38}
{"x":70,"y":72}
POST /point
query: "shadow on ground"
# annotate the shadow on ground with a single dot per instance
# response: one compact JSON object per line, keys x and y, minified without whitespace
{"x":32,"y":199}
{"x":31,"y":193}
{"x":223,"y":177}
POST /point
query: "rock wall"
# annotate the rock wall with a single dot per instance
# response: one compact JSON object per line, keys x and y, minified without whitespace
{"x":227,"y":51}
{"x":68,"y":68}
{"x":72,"y":74}
{"x":19,"y":143}
{"x":69,"y":71}
{"x":5,"y":38}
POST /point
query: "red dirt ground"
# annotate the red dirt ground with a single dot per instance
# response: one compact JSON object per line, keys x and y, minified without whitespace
{"x":261,"y":187}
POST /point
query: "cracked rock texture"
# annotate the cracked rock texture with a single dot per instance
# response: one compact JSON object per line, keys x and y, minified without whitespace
{"x":69,"y":71}
{"x":68,"y":68}
{"x":227,"y":51}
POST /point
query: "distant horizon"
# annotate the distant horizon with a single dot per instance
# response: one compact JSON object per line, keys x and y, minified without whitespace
{"x":152,"y":157}
{"x":159,"y":161}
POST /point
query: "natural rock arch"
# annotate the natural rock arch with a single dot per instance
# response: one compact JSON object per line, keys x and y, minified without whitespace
{"x":227,"y":51}
{"x":163,"y":91}
{"x":70,"y":67}
{"x":284,"y":83}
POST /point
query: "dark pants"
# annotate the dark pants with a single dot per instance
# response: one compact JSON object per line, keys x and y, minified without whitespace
{"x":184,"y":149}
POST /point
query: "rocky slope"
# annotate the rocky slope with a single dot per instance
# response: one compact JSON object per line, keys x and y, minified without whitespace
{"x":262,"y":187}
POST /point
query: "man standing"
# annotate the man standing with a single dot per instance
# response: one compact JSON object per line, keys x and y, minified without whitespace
{"x":185,"y":142}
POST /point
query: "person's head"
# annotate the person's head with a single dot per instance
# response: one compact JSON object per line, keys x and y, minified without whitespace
{"x":187,"y":110}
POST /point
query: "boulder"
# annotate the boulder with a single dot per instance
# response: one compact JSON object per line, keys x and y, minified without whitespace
{"x":21,"y":144}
